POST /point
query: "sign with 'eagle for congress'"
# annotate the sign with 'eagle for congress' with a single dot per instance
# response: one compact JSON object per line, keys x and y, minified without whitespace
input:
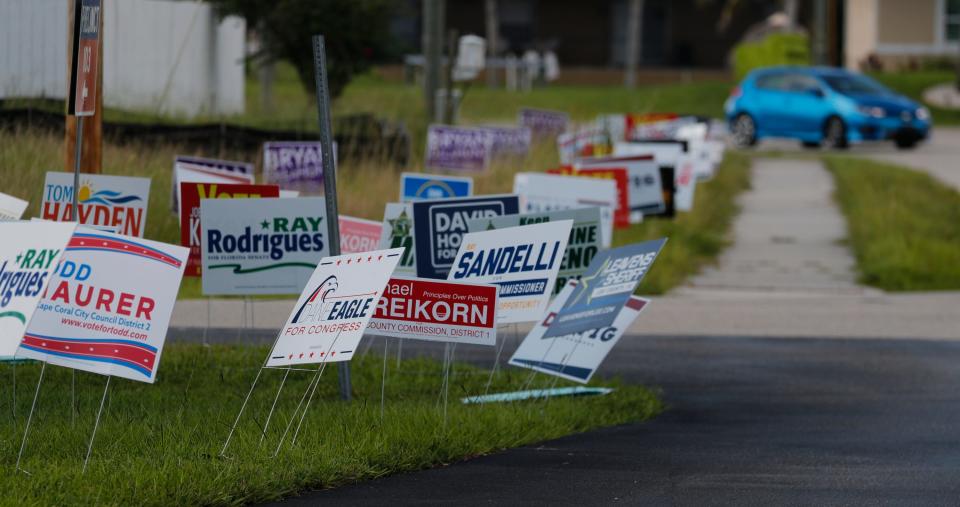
{"x":114,"y":203}
{"x":331,"y":314}
{"x":521,"y":261}
{"x":108,"y":306}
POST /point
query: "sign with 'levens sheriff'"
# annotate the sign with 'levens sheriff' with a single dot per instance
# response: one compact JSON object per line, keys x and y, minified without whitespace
{"x":331,"y":314}
{"x":96,"y":317}
{"x":117,"y":203}
{"x":261,"y":246}
{"x":521,"y":261}
{"x":435,"y":310}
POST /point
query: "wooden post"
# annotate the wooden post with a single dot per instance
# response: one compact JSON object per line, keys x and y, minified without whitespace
{"x":632,"y":50}
{"x":90,"y":155}
{"x":490,"y":8}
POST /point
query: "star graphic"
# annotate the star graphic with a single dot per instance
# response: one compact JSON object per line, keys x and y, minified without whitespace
{"x":19,"y":256}
{"x":264,"y":225}
{"x":585,"y":282}
{"x":400,"y":226}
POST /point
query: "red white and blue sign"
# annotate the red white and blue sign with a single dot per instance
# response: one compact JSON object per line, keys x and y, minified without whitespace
{"x":95,"y":317}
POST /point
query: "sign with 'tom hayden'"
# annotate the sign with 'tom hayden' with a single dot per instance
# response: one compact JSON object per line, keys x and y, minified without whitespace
{"x":114,"y":203}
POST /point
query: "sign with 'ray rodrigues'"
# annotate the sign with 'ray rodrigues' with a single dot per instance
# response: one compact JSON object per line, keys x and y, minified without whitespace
{"x":261,"y":246}
{"x":114,"y":203}
{"x":521,"y":261}
{"x":332,"y":313}
{"x":434,"y":310}
{"x":97,"y":316}
{"x":441,"y":224}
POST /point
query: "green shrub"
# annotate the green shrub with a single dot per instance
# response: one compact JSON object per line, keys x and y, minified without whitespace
{"x":775,"y":49}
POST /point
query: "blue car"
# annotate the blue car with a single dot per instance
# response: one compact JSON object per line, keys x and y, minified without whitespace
{"x":822,"y":106}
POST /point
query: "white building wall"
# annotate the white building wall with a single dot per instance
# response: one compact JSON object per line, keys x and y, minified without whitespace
{"x":158,"y":56}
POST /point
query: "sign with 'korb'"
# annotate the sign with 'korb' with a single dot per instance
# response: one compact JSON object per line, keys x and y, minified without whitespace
{"x":421,"y":187}
{"x":261,"y":246}
{"x":521,"y":261}
{"x":333,"y":311}
{"x":574,"y":356}
{"x":84,"y":65}
{"x":192,"y":193}
{"x":108,"y":306}
{"x":458,"y":148}
{"x":582,"y":246}
{"x":398,"y":233}
{"x":434,"y":310}
{"x":543,"y":123}
{"x":294,"y":164}
{"x":359,"y":235}
{"x":11,"y":208}
{"x":605,"y":287}
{"x":29,"y":253}
{"x":115,"y":203}
{"x":441,"y":224}
{"x":207,"y":170}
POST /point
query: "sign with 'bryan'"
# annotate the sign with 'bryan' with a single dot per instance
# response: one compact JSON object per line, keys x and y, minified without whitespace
{"x":114,"y":203}
{"x":294,"y":164}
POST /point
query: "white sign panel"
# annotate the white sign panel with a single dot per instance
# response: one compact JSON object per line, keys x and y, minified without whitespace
{"x":522,"y":261}
{"x":549,"y":192}
{"x":261,"y":246}
{"x":398,"y":233}
{"x":184,"y":172}
{"x":685,"y":182}
{"x":117,"y":203}
{"x":29,"y":253}
{"x":644,"y":189}
{"x":11,"y":208}
{"x":333,"y":311}
{"x":578,"y":355}
{"x":96,"y":317}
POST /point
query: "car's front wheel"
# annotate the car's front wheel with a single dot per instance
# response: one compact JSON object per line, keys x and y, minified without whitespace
{"x":835,"y":133}
{"x":744,"y":130}
{"x":905,"y":143}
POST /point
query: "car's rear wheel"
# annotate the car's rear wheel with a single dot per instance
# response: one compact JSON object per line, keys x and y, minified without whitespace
{"x":811,"y":144}
{"x":744,"y":130}
{"x":835,"y":133}
{"x":905,"y":143}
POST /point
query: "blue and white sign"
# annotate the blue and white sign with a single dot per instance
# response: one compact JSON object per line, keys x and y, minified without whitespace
{"x":573,"y":356}
{"x":441,"y":224}
{"x":522,"y":261}
{"x":422,"y":187}
{"x":605,"y":288}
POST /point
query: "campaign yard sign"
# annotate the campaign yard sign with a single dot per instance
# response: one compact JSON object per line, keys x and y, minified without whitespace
{"x":644,"y":190}
{"x":261,"y":246}
{"x":96,"y":317}
{"x":85,"y":54}
{"x":435,"y":310}
{"x":510,"y":141}
{"x":685,"y":177}
{"x":420,"y":187}
{"x":207,"y":170}
{"x":573,"y":356}
{"x":398,"y":233}
{"x":522,"y":262}
{"x":296,"y":164}
{"x":543,"y":123}
{"x":29,"y":253}
{"x":441,"y":224}
{"x":333,"y":311}
{"x":612,"y":277}
{"x":192,"y":193}
{"x":582,"y":245}
{"x":458,"y":148}
{"x":621,"y":213}
{"x":550,"y":192}
{"x":11,"y":208}
{"x":117,"y":203}
{"x":359,"y":235}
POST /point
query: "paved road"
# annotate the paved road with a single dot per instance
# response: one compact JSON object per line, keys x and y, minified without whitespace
{"x":752,"y":421}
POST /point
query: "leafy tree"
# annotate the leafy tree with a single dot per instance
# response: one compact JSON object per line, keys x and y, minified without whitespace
{"x":356,"y":34}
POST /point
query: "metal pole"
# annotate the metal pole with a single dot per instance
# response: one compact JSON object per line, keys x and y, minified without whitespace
{"x":329,"y":176}
{"x":96,"y":425}
{"x":632,"y":50}
{"x":490,"y":9}
{"x":26,"y":429}
{"x":274,"y":406}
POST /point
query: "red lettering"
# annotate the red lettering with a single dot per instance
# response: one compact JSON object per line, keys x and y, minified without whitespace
{"x":62,"y":292}
{"x":124,"y":303}
{"x":104,"y":299}
{"x":144,"y":308}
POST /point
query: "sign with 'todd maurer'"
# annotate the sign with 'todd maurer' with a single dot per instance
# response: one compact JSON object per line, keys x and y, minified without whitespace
{"x":115,"y":203}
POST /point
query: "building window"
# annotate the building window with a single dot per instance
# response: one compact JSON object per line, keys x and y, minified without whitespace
{"x":952,"y":20}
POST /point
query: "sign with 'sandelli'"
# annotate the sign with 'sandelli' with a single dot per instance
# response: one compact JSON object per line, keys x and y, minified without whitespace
{"x":398,"y":233}
{"x":117,"y":203}
{"x":332,"y":313}
{"x":97,"y":317}
{"x":435,"y":310}
{"x":441,"y":224}
{"x":11,"y":208}
{"x":610,"y":280}
{"x":574,"y":356}
{"x":582,"y":246}
{"x":192,"y":193}
{"x":421,"y":187}
{"x":359,"y":235}
{"x":261,"y":246}
{"x":29,"y":253}
{"x":521,"y":261}
{"x":206,"y":170}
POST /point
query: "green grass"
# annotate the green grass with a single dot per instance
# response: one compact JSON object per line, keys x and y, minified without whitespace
{"x":904,"y":226}
{"x":913,"y":84}
{"x":159,"y":444}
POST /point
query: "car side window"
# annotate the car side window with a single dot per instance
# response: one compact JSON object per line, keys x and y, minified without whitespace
{"x":772,"y":81}
{"x":800,"y":83}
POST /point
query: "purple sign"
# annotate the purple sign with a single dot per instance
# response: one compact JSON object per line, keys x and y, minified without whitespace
{"x":543,"y":123}
{"x":458,"y":148}
{"x":510,"y":140}
{"x":294,"y":164}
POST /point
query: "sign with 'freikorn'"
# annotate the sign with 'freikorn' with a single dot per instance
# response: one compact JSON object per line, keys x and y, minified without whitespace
{"x":114,"y":203}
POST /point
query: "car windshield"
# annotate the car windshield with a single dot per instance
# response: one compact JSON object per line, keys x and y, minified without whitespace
{"x":851,"y":85}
